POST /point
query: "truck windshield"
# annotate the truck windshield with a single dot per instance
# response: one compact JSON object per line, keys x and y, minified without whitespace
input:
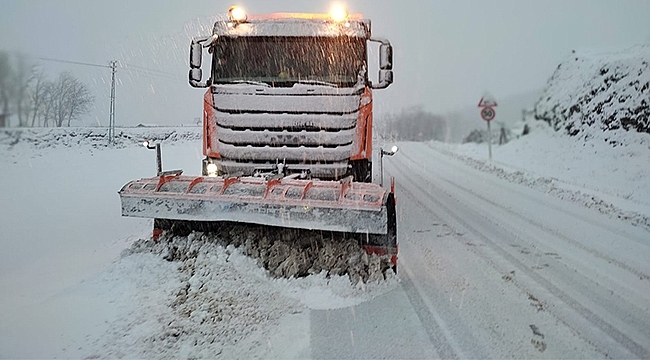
{"x":285,"y":61}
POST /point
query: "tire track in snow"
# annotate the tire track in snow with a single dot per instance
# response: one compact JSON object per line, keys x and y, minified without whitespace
{"x":431,"y":320}
{"x":509,"y":276}
{"x":554,"y":232}
{"x":469,"y":164}
{"x":548,"y":230}
{"x":584,"y":198}
{"x":604,"y":327}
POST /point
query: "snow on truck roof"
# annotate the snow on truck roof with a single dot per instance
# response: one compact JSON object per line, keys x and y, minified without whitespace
{"x":294,"y":24}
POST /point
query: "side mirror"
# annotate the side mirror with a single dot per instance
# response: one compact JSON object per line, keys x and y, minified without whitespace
{"x":385,"y":63}
{"x":386,"y":57}
{"x":196,"y":59}
{"x":196,"y":54}
{"x":196,"y":75}
{"x":385,"y":79}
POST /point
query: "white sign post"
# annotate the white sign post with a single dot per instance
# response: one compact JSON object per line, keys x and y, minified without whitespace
{"x":487,"y":105}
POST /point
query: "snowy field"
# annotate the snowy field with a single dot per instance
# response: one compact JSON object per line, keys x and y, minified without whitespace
{"x":80,"y":281}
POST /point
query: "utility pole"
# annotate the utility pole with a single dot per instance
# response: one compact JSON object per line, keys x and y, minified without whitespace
{"x":111,"y":120}
{"x":113,"y":67}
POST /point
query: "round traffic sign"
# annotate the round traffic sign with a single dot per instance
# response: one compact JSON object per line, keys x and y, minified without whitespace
{"x":488,"y":113}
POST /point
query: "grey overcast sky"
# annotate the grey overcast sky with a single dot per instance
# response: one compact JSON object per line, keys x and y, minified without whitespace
{"x":447,"y":53}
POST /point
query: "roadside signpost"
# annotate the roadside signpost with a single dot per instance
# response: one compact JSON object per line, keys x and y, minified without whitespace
{"x":487,"y":105}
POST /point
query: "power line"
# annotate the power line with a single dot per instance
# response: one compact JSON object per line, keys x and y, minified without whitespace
{"x":144,"y":71}
{"x":73,"y":62}
{"x":113,"y":67}
{"x":126,"y":66}
{"x":139,"y":72}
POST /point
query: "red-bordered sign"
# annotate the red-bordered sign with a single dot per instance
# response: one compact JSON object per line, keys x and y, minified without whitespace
{"x":488,"y":113}
{"x":487,"y":100}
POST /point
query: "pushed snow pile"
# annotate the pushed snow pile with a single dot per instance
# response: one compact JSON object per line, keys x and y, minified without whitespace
{"x":42,"y":138}
{"x":197,"y":297}
{"x":216,"y":299}
{"x":591,"y":93}
{"x":294,"y":253}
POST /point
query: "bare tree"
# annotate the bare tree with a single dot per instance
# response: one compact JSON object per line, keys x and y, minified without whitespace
{"x":416,"y":124}
{"x":27,"y":94}
{"x":67,"y":99}
{"x":47,"y":109}
{"x":37,"y":96}
{"x":23,"y":76}
{"x":6,"y":75}
{"x":16,"y":75}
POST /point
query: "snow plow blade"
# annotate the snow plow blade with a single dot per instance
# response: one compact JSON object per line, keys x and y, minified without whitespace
{"x":341,"y":206}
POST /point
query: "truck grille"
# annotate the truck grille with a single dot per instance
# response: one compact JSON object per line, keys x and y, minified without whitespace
{"x":295,"y":130}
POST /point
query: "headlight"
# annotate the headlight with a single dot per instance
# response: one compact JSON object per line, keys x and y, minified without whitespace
{"x":212,"y":169}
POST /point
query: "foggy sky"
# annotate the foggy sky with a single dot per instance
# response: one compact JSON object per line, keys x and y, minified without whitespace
{"x":447,"y":53}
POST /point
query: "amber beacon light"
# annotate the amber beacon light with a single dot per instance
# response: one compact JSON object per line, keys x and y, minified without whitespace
{"x":237,"y":14}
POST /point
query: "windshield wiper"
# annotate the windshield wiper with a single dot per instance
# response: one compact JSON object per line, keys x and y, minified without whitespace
{"x":250,"y":82}
{"x":317,"y":82}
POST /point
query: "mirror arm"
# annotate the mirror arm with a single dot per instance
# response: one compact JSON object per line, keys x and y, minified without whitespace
{"x":385,"y":79}
{"x":383,"y":41}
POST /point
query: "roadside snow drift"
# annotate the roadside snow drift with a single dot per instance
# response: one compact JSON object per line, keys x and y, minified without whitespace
{"x":606,"y":91}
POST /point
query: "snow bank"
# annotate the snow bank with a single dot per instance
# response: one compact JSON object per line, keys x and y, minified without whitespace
{"x":43,"y":138}
{"x":611,"y":180}
{"x":591,"y":92}
{"x":592,"y":146}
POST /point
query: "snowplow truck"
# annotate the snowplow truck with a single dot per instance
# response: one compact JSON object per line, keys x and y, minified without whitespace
{"x":287,"y":131}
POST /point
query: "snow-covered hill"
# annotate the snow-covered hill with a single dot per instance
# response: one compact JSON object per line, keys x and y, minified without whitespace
{"x":599,"y":91}
{"x":589,"y":139}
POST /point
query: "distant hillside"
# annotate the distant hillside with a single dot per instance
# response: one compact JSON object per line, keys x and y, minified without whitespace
{"x":599,"y":91}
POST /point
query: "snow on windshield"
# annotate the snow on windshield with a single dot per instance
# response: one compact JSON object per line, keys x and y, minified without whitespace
{"x":287,"y":60}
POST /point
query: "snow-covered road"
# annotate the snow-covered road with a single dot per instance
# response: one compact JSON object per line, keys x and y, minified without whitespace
{"x":490,"y":265}
{"x":497,"y":269}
